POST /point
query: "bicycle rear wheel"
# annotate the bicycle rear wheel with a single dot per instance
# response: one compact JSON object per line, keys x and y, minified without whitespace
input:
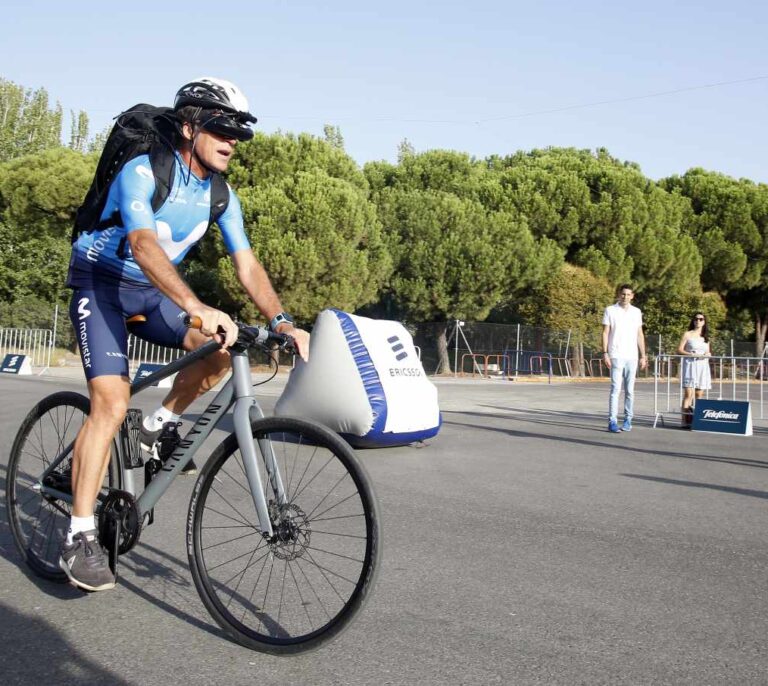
{"x":301,"y":588}
{"x":39,"y":523}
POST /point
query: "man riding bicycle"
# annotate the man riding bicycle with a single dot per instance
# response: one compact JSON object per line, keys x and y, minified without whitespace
{"x":129,"y":269}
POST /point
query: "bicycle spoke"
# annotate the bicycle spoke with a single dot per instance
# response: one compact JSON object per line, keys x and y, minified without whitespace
{"x":244,"y":518}
{"x":231,"y":540}
{"x":242,"y":575}
{"x":306,"y":578}
{"x":328,"y":519}
{"x":226,"y":516}
{"x":323,"y":571}
{"x":39,"y":522}
{"x":325,"y":497}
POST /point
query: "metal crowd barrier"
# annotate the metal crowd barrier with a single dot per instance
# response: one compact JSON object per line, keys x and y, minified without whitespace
{"x":512,"y":363}
{"x":37,"y":344}
{"x":141,"y":351}
{"x":530,"y":362}
{"x":493,"y":365}
{"x":733,"y":378}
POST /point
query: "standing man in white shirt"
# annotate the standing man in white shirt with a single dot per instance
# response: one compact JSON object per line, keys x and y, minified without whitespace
{"x":622,"y":339}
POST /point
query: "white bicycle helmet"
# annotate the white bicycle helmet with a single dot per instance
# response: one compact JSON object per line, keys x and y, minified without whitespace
{"x":224,"y":108}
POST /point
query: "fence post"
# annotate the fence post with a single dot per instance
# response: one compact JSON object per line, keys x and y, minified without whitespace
{"x":55,"y":329}
{"x":456,"y":350}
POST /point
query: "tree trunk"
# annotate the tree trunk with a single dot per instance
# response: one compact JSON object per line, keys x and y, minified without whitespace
{"x":577,"y":358}
{"x":761,"y":324}
{"x":761,"y":328}
{"x":443,"y":360}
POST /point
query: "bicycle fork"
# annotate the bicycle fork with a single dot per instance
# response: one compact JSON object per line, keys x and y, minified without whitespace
{"x":246,"y":408}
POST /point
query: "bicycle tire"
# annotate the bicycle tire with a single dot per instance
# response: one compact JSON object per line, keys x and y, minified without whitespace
{"x":37,"y":524}
{"x":336,"y":583}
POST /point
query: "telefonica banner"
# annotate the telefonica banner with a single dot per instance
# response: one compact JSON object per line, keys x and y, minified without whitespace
{"x":723,"y":416}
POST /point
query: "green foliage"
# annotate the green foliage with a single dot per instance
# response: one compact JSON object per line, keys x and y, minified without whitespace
{"x":38,"y":198}
{"x":729,"y":223}
{"x":309,"y":220}
{"x":573,"y":300}
{"x":604,"y":213}
{"x":333,"y":136}
{"x":538,"y":234}
{"x":270,"y":159}
{"x":670,"y":315}
{"x":78,"y":139}
{"x":28,"y":125}
{"x":454,"y":258}
{"x":40,"y":193}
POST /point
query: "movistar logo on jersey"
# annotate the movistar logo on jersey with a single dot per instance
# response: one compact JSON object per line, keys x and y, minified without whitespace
{"x":82,"y":330}
{"x":99,"y":243}
{"x":175,"y":249}
{"x":82,"y":310}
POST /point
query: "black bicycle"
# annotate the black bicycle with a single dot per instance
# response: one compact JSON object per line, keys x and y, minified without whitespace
{"x":282,"y":531}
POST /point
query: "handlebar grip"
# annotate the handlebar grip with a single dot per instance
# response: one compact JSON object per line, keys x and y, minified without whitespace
{"x":193,"y":322}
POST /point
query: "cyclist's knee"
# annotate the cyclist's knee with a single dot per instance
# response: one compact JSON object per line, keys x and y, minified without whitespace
{"x":109,"y":399}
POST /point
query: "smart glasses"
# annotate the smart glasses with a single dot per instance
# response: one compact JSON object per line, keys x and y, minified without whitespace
{"x":230,"y":126}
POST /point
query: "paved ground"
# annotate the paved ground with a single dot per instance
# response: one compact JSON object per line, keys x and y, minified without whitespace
{"x":525,"y":545}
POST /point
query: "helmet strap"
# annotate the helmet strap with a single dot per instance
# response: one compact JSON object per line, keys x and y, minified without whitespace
{"x":194,"y":156}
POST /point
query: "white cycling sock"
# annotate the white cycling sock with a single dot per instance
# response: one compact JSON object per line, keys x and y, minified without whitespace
{"x":78,"y":524}
{"x":161,"y":415}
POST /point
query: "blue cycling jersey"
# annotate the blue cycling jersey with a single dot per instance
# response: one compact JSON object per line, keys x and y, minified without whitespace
{"x":104,"y":257}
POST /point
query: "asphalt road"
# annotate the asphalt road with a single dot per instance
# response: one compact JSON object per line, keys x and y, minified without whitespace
{"x":524,"y":545}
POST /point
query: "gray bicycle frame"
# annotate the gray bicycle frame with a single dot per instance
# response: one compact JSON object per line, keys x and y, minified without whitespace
{"x":237,"y":391}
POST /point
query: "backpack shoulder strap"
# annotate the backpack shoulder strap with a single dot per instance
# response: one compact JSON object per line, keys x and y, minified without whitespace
{"x":163,"y":162}
{"x":219,"y":197}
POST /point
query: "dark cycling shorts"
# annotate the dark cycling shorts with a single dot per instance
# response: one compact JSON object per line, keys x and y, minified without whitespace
{"x":99,"y":319}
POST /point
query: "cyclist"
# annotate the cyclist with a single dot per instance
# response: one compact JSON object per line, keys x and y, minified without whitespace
{"x":121,"y":271}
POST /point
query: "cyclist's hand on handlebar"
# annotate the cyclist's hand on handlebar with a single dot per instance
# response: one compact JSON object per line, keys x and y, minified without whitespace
{"x":300,"y":340}
{"x":215,"y":323}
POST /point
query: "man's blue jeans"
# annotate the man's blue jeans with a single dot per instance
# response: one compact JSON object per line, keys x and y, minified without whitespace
{"x":622,"y":370}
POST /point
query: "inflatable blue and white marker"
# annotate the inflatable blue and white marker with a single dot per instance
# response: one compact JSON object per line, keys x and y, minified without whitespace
{"x":365,"y":381}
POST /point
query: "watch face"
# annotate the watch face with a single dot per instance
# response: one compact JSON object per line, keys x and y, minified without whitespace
{"x":279,"y":319}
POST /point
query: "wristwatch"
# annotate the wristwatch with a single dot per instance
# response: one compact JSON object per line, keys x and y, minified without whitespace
{"x":282,"y":317}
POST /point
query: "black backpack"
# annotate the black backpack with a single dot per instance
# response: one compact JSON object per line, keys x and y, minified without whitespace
{"x":142,"y":129}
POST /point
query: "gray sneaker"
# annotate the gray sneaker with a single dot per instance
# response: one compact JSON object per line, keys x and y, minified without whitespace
{"x":85,"y":562}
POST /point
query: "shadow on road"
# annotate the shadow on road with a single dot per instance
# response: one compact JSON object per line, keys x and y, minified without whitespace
{"x":24,"y":637}
{"x":610,"y":443}
{"x":697,"y":484}
{"x":9,"y":552}
{"x":143,"y":566}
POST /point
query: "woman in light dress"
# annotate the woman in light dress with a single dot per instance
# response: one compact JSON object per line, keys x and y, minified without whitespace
{"x":694,"y":346}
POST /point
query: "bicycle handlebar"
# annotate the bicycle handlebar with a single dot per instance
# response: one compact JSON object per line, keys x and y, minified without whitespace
{"x":251,"y":335}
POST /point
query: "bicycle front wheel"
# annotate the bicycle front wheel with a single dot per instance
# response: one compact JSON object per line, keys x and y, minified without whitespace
{"x":300,"y":588}
{"x":38,"y":522}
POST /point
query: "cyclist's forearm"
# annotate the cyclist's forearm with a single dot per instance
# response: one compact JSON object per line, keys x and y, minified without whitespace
{"x":161,"y":272}
{"x":255,"y":280}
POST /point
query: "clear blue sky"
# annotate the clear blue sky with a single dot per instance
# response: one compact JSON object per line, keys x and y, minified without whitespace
{"x":482,"y":77}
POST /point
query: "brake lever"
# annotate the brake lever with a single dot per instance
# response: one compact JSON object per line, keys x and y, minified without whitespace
{"x":289,"y":346}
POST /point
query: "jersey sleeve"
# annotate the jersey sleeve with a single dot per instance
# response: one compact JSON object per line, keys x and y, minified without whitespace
{"x":135,"y":188}
{"x":231,"y":225}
